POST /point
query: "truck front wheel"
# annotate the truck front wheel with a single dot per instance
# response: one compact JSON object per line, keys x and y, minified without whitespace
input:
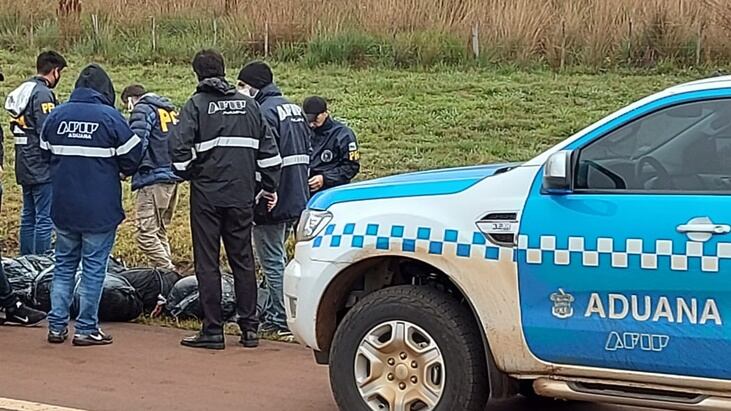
{"x":408,"y":348}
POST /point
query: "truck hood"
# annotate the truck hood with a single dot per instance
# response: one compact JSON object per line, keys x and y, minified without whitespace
{"x":423,"y":183}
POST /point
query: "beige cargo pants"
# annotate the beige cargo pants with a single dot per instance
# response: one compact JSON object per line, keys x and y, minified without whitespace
{"x":155,"y":206}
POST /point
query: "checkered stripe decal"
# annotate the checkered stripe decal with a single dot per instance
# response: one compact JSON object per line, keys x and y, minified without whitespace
{"x":405,"y":239}
{"x":620,"y":253}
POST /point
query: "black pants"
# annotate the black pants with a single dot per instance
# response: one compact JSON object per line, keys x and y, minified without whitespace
{"x":210,"y":224}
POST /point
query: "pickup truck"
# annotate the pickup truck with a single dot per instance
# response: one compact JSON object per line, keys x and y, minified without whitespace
{"x":593,"y":272}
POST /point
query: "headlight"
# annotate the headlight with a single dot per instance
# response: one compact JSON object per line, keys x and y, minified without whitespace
{"x":312,"y":223}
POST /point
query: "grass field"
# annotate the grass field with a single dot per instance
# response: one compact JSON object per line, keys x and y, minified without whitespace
{"x":405,"y":120}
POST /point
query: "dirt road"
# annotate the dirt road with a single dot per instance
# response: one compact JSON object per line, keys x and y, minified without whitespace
{"x":146,"y":369}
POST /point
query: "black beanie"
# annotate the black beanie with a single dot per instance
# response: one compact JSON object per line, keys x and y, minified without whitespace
{"x":257,"y":74}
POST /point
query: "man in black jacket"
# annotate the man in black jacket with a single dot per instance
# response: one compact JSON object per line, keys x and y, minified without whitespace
{"x":29,"y":105}
{"x":335,"y":155}
{"x":220,"y":143}
{"x":12,"y":311}
{"x":292,"y":133}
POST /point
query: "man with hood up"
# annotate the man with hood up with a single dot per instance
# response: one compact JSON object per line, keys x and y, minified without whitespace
{"x":291,"y":130}
{"x":90,"y":145}
{"x":152,"y":119}
{"x":220,"y":144}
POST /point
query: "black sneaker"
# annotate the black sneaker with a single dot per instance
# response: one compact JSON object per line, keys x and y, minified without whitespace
{"x":21,"y":314}
{"x":249,"y":339}
{"x":58,"y":337}
{"x":200,"y":340}
{"x":95,"y":338}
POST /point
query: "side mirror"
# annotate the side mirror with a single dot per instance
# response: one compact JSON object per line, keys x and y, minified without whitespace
{"x":557,"y":173}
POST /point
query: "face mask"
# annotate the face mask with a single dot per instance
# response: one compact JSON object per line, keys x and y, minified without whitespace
{"x":57,"y":78}
{"x":130,"y":104}
{"x":248,"y":91}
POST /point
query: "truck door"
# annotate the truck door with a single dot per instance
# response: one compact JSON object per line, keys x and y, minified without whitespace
{"x":629,"y":267}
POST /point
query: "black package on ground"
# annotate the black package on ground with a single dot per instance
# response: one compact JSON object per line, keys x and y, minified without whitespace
{"x":152,"y":284}
{"x":184,"y":302}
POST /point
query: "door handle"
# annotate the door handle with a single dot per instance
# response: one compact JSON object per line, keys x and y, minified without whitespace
{"x":705,"y":228}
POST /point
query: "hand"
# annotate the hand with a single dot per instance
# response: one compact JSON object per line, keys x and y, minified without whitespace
{"x":316,"y":182}
{"x":271,"y":198}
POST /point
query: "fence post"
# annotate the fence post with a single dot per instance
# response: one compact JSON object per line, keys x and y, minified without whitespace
{"x":215,"y":31}
{"x":32,"y":33}
{"x":699,"y":44}
{"x":95,"y":26}
{"x":629,"y":42}
{"x":266,"y":39}
{"x":562,"y":63}
{"x":476,"y":40}
{"x":154,"y":35}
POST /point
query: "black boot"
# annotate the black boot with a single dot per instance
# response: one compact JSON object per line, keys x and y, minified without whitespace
{"x":209,"y":341}
{"x":249,"y":339}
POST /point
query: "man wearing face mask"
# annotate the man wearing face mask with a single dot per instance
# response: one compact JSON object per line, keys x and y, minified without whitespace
{"x":272,"y":228}
{"x":29,"y":105}
{"x":335,"y":156}
{"x":152,"y":119}
{"x":12,"y":311}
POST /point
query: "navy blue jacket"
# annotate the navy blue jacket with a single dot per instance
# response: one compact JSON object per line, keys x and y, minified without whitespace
{"x":335,"y":154}
{"x":152,"y":120}
{"x":90,"y":144}
{"x":29,"y":105}
{"x":290,"y":129}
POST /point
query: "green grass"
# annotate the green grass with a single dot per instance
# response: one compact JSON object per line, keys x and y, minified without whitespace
{"x":405,"y":120}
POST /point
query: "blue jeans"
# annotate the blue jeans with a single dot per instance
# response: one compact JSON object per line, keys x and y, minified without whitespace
{"x":92,"y":251}
{"x":35,"y":220}
{"x":269,"y":247}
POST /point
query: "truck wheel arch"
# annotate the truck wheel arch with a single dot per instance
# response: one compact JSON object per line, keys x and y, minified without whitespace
{"x":378,"y":272}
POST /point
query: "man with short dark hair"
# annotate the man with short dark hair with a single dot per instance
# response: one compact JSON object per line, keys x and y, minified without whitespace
{"x":220,"y":143}
{"x":272,"y":228}
{"x":335,"y":155}
{"x":152,"y":119}
{"x":90,"y":145}
{"x":29,"y":105}
{"x":12,"y":311}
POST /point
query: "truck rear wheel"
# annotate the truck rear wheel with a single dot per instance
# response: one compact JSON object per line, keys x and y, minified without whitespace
{"x":408,"y":348}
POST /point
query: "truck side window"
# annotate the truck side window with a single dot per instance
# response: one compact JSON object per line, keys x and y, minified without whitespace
{"x":683,"y":148}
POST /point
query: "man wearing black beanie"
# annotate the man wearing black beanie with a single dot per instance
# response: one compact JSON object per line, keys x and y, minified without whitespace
{"x":292,"y":133}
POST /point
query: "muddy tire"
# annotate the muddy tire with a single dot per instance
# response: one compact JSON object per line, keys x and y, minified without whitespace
{"x":409,"y":348}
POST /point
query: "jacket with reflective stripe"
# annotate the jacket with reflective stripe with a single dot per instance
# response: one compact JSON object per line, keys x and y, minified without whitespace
{"x":292,"y":133}
{"x":89,"y":144}
{"x":220,"y":142}
{"x":29,"y":105}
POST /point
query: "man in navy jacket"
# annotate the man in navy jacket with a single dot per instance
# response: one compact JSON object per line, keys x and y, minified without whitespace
{"x":12,"y":310}
{"x":335,"y":156}
{"x":90,"y":145}
{"x":29,"y":105}
{"x":292,"y":134}
{"x":152,"y":119}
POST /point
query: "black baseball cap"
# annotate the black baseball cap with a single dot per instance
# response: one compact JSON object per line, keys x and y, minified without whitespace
{"x":313,"y":107}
